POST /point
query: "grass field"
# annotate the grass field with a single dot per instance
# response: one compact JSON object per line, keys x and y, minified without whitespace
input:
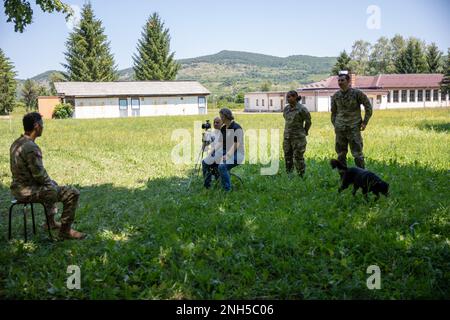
{"x":274,"y":238}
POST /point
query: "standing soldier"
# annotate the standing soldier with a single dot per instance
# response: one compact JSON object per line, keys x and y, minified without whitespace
{"x":347,"y":121}
{"x":31,"y":183}
{"x":297,"y":124}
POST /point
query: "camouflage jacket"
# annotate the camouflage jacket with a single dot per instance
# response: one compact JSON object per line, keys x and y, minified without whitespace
{"x":26,"y":166}
{"x":346,"y":108}
{"x":297,"y":121}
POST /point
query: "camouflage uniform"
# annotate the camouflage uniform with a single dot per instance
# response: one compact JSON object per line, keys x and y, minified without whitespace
{"x":346,"y":119}
{"x":297,"y":124}
{"x":30,"y":181}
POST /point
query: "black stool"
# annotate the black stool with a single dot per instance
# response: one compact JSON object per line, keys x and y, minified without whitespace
{"x":14,"y":203}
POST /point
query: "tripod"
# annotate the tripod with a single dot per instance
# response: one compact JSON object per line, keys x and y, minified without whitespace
{"x":198,"y":162}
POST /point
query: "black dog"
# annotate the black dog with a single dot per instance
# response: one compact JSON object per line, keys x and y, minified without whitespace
{"x":360,"y":178}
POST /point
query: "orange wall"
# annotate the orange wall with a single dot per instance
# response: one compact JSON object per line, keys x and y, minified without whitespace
{"x":46,"y":105}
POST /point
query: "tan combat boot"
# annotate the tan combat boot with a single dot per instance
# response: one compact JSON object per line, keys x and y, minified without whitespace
{"x":66,"y":233}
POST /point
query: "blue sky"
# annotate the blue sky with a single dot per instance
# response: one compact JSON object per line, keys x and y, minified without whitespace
{"x":280,"y":28}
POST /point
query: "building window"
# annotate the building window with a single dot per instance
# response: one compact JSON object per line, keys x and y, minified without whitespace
{"x":427,"y":95}
{"x":412,"y":95}
{"x":271,"y":103}
{"x":435,"y":95}
{"x":378,"y":99}
{"x":262,"y":102}
{"x":123,"y":104}
{"x":404,"y":92}
{"x":442,"y":96}
{"x":395,"y":95}
{"x":135,"y":107}
{"x":389,"y":97}
{"x":420,"y":95}
{"x":257,"y":102}
{"x":246,"y":101}
{"x":303,"y":99}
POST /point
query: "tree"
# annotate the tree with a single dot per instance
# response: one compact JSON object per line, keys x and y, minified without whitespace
{"x":412,"y":58}
{"x":398,"y":43}
{"x":239,"y":98}
{"x":445,"y":85}
{"x":30,"y":93}
{"x":88,"y":51}
{"x":55,"y":77}
{"x":380,"y":60}
{"x":433,"y":57}
{"x":153,"y":60}
{"x":266,"y":86}
{"x":342,"y":63}
{"x":360,"y":57}
{"x":7,"y":84}
{"x":21,"y":14}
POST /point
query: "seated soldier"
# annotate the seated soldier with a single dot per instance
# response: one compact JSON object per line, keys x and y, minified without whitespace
{"x":31,"y":183}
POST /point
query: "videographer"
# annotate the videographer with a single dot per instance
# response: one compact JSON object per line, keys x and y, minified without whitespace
{"x":210,"y":162}
{"x":232,"y":147}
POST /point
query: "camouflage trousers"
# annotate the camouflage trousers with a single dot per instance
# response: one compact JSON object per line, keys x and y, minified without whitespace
{"x":352,"y":137}
{"x":49,"y":196}
{"x":294,"y":149}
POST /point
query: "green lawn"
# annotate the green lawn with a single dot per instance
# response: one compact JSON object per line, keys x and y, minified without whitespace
{"x":150,"y":237}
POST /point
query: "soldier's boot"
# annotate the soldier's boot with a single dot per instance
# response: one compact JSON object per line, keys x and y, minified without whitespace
{"x":67,"y":233}
{"x":301,"y":169}
{"x":52,"y":211}
{"x":360,"y":162}
{"x":342,"y":158}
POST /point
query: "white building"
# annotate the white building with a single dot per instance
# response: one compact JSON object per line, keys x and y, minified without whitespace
{"x":134,"y":98}
{"x":264,"y":101}
{"x":385,"y":91}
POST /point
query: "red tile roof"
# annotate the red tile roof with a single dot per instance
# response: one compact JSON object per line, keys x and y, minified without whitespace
{"x":383,"y":81}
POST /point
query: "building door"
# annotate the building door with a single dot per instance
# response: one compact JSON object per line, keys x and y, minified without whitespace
{"x":201,"y":105}
{"x":123,"y":108}
{"x":282,"y":104}
{"x":135,"y":107}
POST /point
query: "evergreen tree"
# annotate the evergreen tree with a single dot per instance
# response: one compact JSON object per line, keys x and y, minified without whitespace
{"x":153,"y":60}
{"x":433,"y":57}
{"x":88,"y":53}
{"x":445,"y":85}
{"x":30,"y":93}
{"x":412,"y":58}
{"x":342,"y":63}
{"x":7,"y":84}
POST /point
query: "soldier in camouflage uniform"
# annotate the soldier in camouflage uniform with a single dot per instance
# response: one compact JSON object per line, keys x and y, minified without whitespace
{"x":297,"y":124}
{"x":31,"y":183}
{"x":347,"y":121}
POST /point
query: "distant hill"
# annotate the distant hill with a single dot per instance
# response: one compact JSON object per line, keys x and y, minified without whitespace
{"x":229,"y":72}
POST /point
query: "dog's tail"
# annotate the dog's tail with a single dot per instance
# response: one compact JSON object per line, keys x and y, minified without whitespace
{"x":337,"y":164}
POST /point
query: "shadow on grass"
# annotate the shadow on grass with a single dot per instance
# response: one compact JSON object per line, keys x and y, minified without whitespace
{"x":276,"y":238}
{"x":438,"y":127}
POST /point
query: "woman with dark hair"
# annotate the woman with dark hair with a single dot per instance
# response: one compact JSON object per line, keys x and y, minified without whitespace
{"x":297,"y":123}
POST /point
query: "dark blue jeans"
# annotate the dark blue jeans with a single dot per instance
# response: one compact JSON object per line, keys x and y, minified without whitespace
{"x":224,"y":172}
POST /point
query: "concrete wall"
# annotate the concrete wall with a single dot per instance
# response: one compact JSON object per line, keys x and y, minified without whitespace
{"x":148,"y":106}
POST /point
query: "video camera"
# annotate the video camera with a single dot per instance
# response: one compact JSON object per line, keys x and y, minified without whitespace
{"x":206,"y":125}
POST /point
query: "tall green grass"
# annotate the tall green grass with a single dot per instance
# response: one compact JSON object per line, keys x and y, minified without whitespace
{"x":150,"y":237}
